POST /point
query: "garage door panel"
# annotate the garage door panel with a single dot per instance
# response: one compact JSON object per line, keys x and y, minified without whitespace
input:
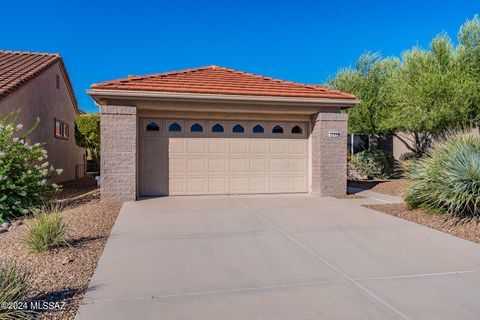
{"x":258,"y":184}
{"x":277,"y":165}
{"x":223,"y":163}
{"x":238,"y":146}
{"x":196,"y":185}
{"x":177,"y":185}
{"x":237,"y":184}
{"x":297,"y":183}
{"x":297,"y":165}
{"x":258,"y":166}
{"x":217,"y":185}
{"x":278,"y":184}
{"x":278,"y":146}
{"x":238,"y":166}
{"x":258,"y":147}
{"x":218,"y":146}
{"x":217,"y":166}
{"x":196,"y":166}
{"x":296,"y":147}
{"x":196,"y":145}
{"x":177,"y":146}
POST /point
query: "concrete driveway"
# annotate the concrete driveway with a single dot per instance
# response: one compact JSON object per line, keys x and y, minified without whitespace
{"x":279,"y":257}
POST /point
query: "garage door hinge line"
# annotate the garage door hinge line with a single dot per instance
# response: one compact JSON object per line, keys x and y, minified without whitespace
{"x":315,"y":255}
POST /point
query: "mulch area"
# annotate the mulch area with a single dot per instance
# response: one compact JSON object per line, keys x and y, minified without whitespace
{"x":395,"y":187}
{"x":63,"y":274}
{"x":468,"y":230}
{"x":74,"y":188}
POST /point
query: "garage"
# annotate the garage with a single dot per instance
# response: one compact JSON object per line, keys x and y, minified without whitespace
{"x":218,"y":131}
{"x":222,"y":157}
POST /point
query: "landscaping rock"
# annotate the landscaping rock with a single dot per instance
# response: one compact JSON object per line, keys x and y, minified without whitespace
{"x":3,"y":230}
{"x":5,"y":225}
{"x":17,"y":223}
{"x":67,"y":260}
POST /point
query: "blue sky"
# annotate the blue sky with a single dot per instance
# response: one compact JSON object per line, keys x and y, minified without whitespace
{"x":298,"y":40}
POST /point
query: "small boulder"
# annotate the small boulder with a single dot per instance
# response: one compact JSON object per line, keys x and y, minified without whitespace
{"x":67,"y":260}
{"x":3,"y":230}
{"x":5,"y":225}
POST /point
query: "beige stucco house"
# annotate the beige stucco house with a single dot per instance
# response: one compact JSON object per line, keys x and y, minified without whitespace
{"x":215,"y":130}
{"x":38,"y":85}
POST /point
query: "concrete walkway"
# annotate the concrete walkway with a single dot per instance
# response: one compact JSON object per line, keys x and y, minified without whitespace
{"x":279,"y":257}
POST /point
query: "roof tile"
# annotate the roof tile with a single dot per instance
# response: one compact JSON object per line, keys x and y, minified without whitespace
{"x":18,"y":68}
{"x":220,"y":80}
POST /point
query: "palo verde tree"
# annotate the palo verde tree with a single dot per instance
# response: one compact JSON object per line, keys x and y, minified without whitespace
{"x":87,"y":134}
{"x":421,"y":96}
{"x":368,"y":82}
{"x":428,"y":98}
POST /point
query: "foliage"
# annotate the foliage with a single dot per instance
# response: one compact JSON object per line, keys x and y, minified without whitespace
{"x":46,"y":230}
{"x":367,"y":82}
{"x":23,"y":180}
{"x":14,"y":287}
{"x":448,"y":179}
{"x":87,"y":133}
{"x":421,"y":97}
{"x":373,"y":163}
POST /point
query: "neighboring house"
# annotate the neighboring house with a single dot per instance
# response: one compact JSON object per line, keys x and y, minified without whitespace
{"x":215,"y":130}
{"x":38,"y":85}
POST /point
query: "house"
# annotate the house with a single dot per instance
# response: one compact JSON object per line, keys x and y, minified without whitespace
{"x":38,"y":85}
{"x":214,"y":130}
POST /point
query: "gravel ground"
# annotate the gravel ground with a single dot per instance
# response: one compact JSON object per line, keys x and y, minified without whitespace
{"x":63,"y":274}
{"x":349,"y":196}
{"x":469,"y":230}
{"x":394,"y":187}
{"x":74,"y":188}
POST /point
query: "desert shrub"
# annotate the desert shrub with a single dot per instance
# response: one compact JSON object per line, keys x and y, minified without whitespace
{"x":46,"y":230}
{"x":14,"y":287}
{"x":373,"y":163}
{"x":23,"y":170}
{"x":448,"y":178}
{"x":87,"y":133}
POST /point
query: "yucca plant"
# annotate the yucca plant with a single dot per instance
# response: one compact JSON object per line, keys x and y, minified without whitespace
{"x":46,"y":230}
{"x":14,"y":288}
{"x":448,"y":178}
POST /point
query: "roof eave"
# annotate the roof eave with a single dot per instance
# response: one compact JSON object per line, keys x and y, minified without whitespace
{"x":102,"y":95}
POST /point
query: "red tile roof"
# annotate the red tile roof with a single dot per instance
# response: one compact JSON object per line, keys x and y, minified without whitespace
{"x":17,"y":68}
{"x":219,"y":80}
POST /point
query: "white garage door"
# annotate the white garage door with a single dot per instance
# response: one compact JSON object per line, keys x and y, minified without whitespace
{"x":179,"y":157}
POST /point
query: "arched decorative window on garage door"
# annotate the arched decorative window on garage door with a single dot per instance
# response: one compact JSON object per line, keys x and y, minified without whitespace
{"x":174,"y":127}
{"x":297,"y":130}
{"x":238,"y":128}
{"x":196,"y":127}
{"x":217,"y":128}
{"x":258,"y":129}
{"x":277,"y":129}
{"x":152,"y":126}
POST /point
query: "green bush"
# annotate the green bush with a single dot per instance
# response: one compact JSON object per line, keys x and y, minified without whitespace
{"x":448,"y":178}
{"x":23,"y":170}
{"x":87,"y":134}
{"x":46,"y":230}
{"x":373,"y":163}
{"x":14,"y":287}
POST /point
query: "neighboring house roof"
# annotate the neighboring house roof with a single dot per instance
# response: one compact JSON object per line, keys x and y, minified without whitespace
{"x":18,"y":68}
{"x":220,"y":80}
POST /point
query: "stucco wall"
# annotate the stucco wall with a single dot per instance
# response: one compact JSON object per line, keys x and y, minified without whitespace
{"x":41,"y":98}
